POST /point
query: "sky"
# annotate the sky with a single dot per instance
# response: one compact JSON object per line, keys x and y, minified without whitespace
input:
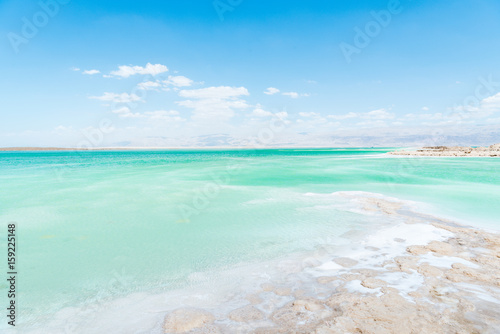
{"x":249,"y":73}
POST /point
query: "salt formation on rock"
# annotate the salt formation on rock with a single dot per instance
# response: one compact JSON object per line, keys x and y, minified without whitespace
{"x":453,"y":151}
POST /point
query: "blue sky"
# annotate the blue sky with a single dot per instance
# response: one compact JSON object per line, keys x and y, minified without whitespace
{"x":225,"y":72}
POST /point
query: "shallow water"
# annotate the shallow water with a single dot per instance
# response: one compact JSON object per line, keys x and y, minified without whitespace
{"x":97,"y":226}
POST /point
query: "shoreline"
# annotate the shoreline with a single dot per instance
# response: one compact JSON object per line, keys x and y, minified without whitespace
{"x":445,"y":280}
{"x":453,"y":151}
{"x":417,"y":272}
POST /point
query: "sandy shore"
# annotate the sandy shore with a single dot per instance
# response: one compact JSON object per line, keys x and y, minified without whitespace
{"x":426,"y":275}
{"x":453,"y":151}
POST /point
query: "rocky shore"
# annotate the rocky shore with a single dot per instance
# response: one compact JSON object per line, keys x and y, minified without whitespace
{"x":453,"y":151}
{"x":396,"y":282}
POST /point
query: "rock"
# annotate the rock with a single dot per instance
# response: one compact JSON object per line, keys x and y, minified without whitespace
{"x":209,"y":329}
{"x":254,"y":299}
{"x":345,"y":262}
{"x":186,"y":319}
{"x":281,"y":291}
{"x":428,"y":270}
{"x":246,"y":314}
{"x":373,"y":283}
{"x":417,"y":250}
{"x":406,"y":263}
{"x":307,"y":304}
{"x":367,"y":272}
{"x":326,"y":279}
{"x":352,"y":277}
{"x":441,"y":248}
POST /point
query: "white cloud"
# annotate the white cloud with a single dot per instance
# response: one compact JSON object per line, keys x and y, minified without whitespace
{"x":208,"y":108}
{"x":221,"y":92}
{"x":149,"y":85}
{"x":425,"y":108}
{"x":132,"y":115}
{"x":158,"y":115}
{"x":478,"y":109}
{"x":164,"y":115}
{"x":76,"y":69}
{"x":377,"y":114}
{"x":178,"y":81}
{"x":372,"y":124}
{"x":126,"y":71}
{"x":62,"y":128}
{"x":260,"y":112}
{"x":271,"y":91}
{"x":491,"y":103}
{"x":91,"y":72}
{"x":437,"y":116}
{"x":293,"y":95}
{"x":122,"y":110}
{"x":114,"y":97}
{"x":308,"y":114}
{"x":126,"y":113}
{"x":345,"y":116}
{"x":281,"y":115}
{"x":214,"y":102}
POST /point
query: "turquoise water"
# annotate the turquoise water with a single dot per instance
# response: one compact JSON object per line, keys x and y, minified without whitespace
{"x":97,"y":225}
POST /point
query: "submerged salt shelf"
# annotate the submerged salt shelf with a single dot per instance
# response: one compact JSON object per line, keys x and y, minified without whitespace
{"x":107,"y":243}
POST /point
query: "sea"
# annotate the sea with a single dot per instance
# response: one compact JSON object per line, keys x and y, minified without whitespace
{"x":110,"y":241}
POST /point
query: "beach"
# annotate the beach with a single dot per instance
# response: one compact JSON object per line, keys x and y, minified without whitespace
{"x":425,"y":275}
{"x":452,"y":151}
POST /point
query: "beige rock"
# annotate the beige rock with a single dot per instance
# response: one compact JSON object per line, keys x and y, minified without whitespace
{"x":345,"y":262}
{"x":307,"y":304}
{"x":186,"y":319}
{"x":246,"y":314}
{"x":428,"y":270}
{"x":417,"y":250}
{"x":254,"y":299}
{"x":442,"y":248}
{"x":367,"y":272}
{"x":208,"y":329}
{"x":388,"y":290}
{"x":406,"y":263}
{"x":373,"y":283}
{"x":282,"y":291}
{"x":352,"y":277}
{"x":326,"y":279}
